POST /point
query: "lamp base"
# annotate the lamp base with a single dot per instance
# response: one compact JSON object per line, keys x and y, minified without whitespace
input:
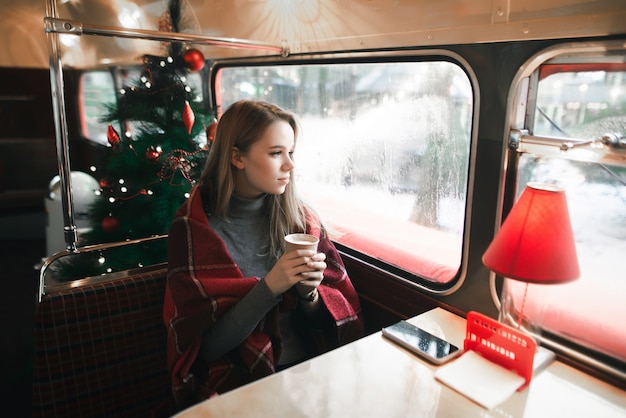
{"x":516,"y":312}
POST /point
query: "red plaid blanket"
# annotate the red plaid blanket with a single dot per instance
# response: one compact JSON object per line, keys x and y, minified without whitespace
{"x":204,"y":281}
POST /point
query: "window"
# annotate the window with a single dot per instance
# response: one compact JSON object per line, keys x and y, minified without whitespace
{"x":581,"y":102}
{"x":383,"y":155}
{"x":96,"y":89}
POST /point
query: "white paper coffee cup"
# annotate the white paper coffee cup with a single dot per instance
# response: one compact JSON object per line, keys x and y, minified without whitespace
{"x":300,"y":242}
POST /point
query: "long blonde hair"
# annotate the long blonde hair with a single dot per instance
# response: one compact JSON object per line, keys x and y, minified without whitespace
{"x":241,"y":125}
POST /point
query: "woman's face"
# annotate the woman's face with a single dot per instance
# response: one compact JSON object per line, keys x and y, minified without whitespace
{"x":267,"y":166}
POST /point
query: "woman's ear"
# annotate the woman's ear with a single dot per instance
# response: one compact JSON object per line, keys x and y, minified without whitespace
{"x":235,"y":158}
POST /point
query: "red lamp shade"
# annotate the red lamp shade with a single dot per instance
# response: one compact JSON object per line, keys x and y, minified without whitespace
{"x":535,"y":243}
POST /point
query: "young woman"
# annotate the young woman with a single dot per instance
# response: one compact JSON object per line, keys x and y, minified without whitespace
{"x":237,"y":307}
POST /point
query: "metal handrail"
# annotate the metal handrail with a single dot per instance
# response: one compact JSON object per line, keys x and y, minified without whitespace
{"x":61,"y":132}
{"x":84,"y":250}
{"x":65,"y":26}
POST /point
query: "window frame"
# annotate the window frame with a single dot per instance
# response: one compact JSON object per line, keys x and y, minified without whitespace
{"x":521,"y":106}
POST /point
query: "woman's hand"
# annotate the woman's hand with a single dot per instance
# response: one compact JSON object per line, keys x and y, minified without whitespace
{"x":302,"y":267}
{"x":311,"y":279}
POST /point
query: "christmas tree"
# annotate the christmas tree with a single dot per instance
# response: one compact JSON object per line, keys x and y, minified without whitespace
{"x":167,"y":130}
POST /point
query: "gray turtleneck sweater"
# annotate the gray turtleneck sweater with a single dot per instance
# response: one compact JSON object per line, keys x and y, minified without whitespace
{"x":245,"y":231}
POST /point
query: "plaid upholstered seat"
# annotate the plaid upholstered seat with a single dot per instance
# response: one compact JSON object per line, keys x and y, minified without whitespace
{"x":100,"y":350}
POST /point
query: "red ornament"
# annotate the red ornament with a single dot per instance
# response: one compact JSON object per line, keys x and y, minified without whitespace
{"x":188,"y":117}
{"x":210,"y":131}
{"x":106,"y":183}
{"x":194,"y":60}
{"x":110,"y":224}
{"x":112,"y":136}
{"x":152,"y":154}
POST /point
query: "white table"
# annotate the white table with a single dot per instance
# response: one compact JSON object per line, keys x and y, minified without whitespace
{"x":373,"y":377}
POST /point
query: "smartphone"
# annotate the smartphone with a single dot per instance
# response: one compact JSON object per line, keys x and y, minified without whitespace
{"x":420,"y":342}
